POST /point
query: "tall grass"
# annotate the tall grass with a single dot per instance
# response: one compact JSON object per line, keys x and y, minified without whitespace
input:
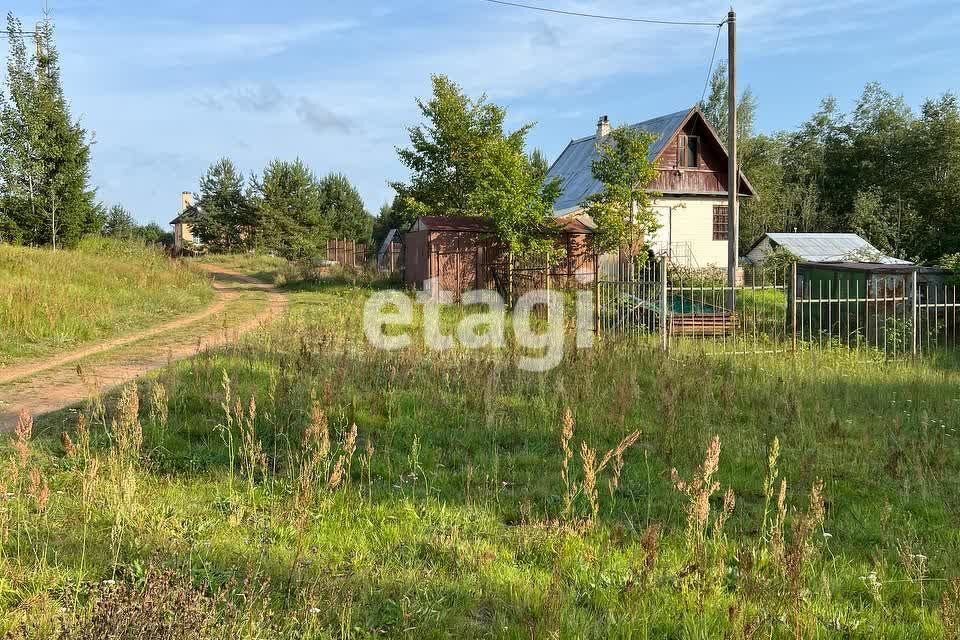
{"x":498,"y":503}
{"x":52,"y":301}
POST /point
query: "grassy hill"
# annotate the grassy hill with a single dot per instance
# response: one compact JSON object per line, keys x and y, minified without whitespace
{"x":55,"y":301}
{"x":304,"y":485}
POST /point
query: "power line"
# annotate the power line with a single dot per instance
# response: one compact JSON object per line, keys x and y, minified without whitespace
{"x":603,"y":17}
{"x":713,"y":57}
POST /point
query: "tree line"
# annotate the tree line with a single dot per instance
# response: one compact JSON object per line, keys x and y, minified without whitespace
{"x":881,"y":170}
{"x":46,"y":197}
{"x":285,"y":210}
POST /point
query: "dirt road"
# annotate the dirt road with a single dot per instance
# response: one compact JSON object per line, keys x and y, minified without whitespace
{"x":41,"y":386}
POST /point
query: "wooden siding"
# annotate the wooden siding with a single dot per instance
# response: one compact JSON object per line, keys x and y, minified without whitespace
{"x":707,"y":178}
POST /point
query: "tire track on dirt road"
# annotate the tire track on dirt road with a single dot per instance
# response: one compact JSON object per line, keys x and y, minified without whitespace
{"x":43,"y":386}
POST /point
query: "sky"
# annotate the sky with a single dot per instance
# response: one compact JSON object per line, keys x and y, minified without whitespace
{"x":166,"y":88}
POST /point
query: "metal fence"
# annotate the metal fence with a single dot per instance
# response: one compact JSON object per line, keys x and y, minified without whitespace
{"x":776,"y":311}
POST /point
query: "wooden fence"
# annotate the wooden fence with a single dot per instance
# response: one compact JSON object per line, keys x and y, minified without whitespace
{"x":357,"y":255}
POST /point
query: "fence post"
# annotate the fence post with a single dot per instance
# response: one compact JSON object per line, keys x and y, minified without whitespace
{"x":546,"y":272}
{"x":664,"y":313}
{"x":596,"y":296}
{"x":793,"y":305}
{"x":510,"y":280}
{"x":913,"y":313}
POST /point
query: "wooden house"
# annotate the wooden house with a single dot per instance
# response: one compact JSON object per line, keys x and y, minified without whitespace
{"x":690,"y":187}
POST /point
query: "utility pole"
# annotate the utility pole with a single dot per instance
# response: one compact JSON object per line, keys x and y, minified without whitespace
{"x":733,"y":174}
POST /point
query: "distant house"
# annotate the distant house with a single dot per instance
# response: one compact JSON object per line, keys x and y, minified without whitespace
{"x":182,"y":231}
{"x":821,"y":247}
{"x":692,"y":183}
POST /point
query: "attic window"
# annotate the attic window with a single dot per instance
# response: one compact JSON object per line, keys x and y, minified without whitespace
{"x":690,"y":151}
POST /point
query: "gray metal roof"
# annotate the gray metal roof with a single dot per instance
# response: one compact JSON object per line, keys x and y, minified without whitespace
{"x":574,"y":167}
{"x":829,"y":247}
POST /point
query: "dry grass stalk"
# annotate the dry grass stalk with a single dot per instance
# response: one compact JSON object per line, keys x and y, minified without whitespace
{"x":69,"y":449}
{"x":950,"y":610}
{"x":588,"y":457}
{"x":341,"y":470}
{"x":38,"y":489}
{"x":83,"y":435}
{"x":591,"y":468}
{"x":127,"y":431}
{"x":253,"y":460}
{"x":698,"y":490}
{"x":915,"y":564}
{"x":22,"y":433}
{"x":729,"y":502}
{"x":770,"y":481}
{"x":315,"y":444}
{"x":159,"y":405}
{"x":366,"y":459}
{"x":798,"y":552}
{"x":566,"y":434}
{"x":777,"y":534}
{"x":650,"y":546}
{"x":95,"y":406}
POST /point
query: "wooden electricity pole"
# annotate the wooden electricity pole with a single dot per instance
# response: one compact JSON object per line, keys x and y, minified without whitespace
{"x":733,"y":175}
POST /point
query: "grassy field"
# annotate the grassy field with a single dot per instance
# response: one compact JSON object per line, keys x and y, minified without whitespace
{"x":52,"y":302}
{"x":301,"y":484}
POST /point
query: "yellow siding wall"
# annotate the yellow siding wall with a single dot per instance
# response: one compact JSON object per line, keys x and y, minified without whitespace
{"x":691,"y":231}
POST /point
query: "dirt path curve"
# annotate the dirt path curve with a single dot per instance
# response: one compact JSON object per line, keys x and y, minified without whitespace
{"x":43,"y":386}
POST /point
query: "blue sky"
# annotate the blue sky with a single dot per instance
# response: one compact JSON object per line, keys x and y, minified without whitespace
{"x":167,"y":87}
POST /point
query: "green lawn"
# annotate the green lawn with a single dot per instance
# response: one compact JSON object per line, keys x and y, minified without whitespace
{"x":55,"y":301}
{"x":450,"y":516}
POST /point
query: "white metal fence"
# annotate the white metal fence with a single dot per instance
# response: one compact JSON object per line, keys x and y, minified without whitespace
{"x":778,"y":311}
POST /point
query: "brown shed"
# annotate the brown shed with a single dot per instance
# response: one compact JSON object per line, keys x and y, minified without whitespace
{"x":450,"y":249}
{"x":463,"y":253}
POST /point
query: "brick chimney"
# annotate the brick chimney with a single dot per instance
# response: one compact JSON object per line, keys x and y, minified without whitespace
{"x":603,"y":127}
{"x":186,"y":201}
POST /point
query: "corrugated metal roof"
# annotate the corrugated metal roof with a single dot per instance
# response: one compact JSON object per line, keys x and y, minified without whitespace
{"x":574,"y":167}
{"x":828,"y":247}
{"x":452,"y":223}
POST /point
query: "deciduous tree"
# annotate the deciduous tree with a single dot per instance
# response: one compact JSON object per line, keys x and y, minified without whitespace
{"x":463,"y":162}
{"x":622,"y":210}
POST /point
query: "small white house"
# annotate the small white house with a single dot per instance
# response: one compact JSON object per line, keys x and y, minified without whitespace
{"x":691,"y":185}
{"x":820,"y":247}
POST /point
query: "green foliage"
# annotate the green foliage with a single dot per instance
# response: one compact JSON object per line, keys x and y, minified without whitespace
{"x":44,"y":154}
{"x":462,"y":162}
{"x":539,"y":164}
{"x":881,"y":171}
{"x":715,"y":107}
{"x":342,"y":209}
{"x":225,"y":221}
{"x":152,"y":233}
{"x":120,"y":223}
{"x":776,"y":263}
{"x":622,"y":211}
{"x":287,"y":200}
{"x":387,"y":218}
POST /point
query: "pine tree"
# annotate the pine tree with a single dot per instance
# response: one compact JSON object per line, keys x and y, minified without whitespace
{"x":287,"y":201}
{"x":342,"y":209}
{"x":225,"y":222}
{"x":45,"y":169}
